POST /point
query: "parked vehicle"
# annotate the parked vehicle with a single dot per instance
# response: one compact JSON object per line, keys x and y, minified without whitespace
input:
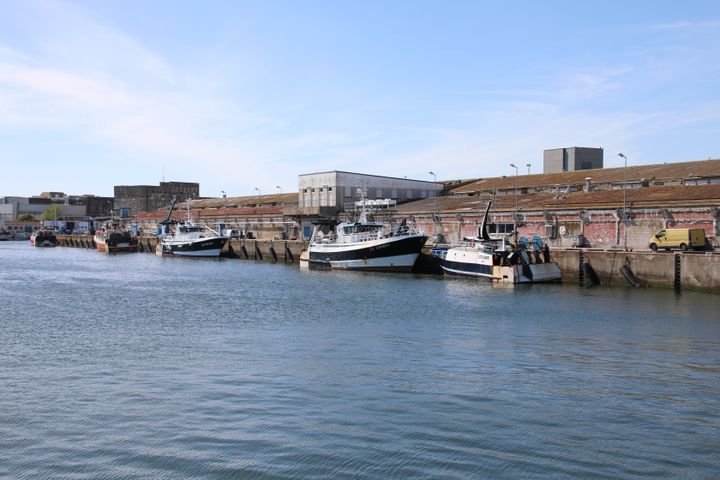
{"x":682,"y":238}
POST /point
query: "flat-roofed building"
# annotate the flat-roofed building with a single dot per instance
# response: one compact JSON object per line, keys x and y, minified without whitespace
{"x":131,"y":200}
{"x":571,"y":159}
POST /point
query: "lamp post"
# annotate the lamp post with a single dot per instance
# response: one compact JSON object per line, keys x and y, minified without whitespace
{"x":434,"y":198}
{"x":279,"y":188}
{"x":224,"y":207}
{"x":258,"y":190}
{"x":515,"y":218}
{"x":529,"y":165}
{"x":624,"y":212}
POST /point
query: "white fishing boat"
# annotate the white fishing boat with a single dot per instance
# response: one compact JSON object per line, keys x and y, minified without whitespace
{"x":188,"y":239}
{"x":365,"y":245}
{"x":498,"y":260}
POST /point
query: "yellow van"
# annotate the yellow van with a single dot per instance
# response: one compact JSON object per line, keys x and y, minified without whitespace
{"x":682,"y":238}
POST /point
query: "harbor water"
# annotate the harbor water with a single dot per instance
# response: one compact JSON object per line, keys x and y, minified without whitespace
{"x":137,"y":366}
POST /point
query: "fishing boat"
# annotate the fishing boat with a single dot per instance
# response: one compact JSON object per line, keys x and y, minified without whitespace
{"x":188,"y":239}
{"x":114,"y":239}
{"x":43,"y":238}
{"x":498,"y":259}
{"x":365,"y":244}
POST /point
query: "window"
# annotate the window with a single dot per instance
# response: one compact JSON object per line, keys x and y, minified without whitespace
{"x":394,"y":194}
{"x":409,"y":194}
{"x":348,"y":192}
{"x":378,"y":193}
{"x":498,"y":228}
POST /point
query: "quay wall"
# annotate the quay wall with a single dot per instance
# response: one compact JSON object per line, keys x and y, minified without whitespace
{"x":285,"y":251}
{"x":694,"y":271}
{"x":689,"y":270}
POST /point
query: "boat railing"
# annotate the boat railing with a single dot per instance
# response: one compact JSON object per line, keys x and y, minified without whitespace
{"x":360,"y":237}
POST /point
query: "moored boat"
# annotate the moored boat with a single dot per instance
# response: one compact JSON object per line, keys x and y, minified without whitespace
{"x":43,"y":238}
{"x":498,"y":260}
{"x":365,"y":245}
{"x":113,"y":239}
{"x":188,"y":239}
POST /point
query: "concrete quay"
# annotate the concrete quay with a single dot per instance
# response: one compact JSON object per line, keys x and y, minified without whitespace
{"x":283,"y":251}
{"x":678,"y":270}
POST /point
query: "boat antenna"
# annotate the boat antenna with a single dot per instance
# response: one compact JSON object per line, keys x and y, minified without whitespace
{"x":363,"y":210}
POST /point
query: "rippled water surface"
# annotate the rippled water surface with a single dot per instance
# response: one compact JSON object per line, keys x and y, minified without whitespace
{"x":137,"y":366}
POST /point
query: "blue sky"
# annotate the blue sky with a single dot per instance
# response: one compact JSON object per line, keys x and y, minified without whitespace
{"x":238,"y":95}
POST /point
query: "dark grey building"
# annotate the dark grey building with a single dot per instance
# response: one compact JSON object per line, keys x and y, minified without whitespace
{"x":133,"y":199}
{"x":570,"y":159}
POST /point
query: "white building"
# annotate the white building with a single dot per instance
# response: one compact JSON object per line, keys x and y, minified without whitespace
{"x":333,"y":191}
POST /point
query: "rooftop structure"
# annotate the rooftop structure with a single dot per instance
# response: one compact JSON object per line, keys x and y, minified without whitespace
{"x":571,"y":159}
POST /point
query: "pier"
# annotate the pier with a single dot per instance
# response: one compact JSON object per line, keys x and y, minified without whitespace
{"x":275,"y":251}
{"x":673,"y":270}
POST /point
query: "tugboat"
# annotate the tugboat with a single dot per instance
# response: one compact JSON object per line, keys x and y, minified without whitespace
{"x":43,"y":238}
{"x":188,"y":239}
{"x":113,"y":239}
{"x":365,"y":245}
{"x":498,"y":260}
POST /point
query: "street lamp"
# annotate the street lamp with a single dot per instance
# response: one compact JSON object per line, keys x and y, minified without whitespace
{"x":624,"y":212}
{"x":516,"y":201}
{"x":529,"y":165}
{"x":434,"y":196}
{"x":279,"y":188}
{"x":224,"y":207}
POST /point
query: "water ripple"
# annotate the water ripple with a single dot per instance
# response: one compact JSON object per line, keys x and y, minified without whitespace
{"x":139,"y":367}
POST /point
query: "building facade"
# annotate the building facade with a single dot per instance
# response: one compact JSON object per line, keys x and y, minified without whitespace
{"x":337,"y":191}
{"x":572,"y":159}
{"x":131,"y":200}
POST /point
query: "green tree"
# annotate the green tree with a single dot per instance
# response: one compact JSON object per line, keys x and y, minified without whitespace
{"x":52,"y":213}
{"x":26,"y":217}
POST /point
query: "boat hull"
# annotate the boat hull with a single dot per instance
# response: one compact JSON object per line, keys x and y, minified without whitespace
{"x":43,"y":241}
{"x":120,"y":247}
{"x":392,"y":254}
{"x":470,"y":262}
{"x":205,"y":247}
{"x":466,"y":269}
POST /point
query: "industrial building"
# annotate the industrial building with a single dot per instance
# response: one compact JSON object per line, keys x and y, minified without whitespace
{"x":571,"y":159}
{"x":75,"y":207}
{"x":131,"y":200}
{"x":333,"y":191}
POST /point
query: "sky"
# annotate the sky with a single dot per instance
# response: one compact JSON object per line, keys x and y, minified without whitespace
{"x":243,"y":95}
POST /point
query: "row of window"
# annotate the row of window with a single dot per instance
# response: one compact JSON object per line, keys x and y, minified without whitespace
{"x":323,"y":196}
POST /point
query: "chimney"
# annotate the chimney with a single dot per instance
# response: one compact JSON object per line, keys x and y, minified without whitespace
{"x":588,"y":184}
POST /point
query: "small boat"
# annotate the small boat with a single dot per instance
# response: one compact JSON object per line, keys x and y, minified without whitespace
{"x":114,"y":239}
{"x":43,"y":238}
{"x":365,"y":245}
{"x":188,"y":239}
{"x":498,"y":260}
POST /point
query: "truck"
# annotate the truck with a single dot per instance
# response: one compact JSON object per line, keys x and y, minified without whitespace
{"x":682,"y":238}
